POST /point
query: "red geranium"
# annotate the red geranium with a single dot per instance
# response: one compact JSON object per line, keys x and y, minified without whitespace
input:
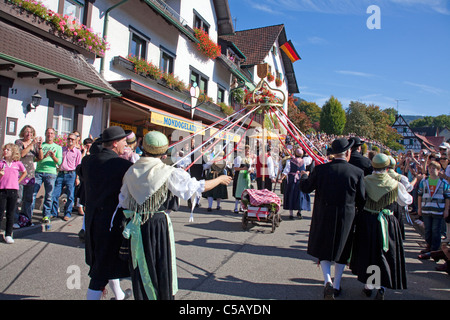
{"x":206,"y":45}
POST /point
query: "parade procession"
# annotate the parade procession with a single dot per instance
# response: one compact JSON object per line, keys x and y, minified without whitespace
{"x":155,"y":152}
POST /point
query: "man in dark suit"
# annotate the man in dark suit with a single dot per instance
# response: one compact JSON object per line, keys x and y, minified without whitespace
{"x":339,"y":193}
{"x":357,"y":159}
{"x":102,"y":173}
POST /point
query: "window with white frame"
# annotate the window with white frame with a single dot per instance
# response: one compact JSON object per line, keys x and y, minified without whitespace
{"x":167,"y":61}
{"x":138,"y":44}
{"x":63,"y":116}
{"x":74,"y":8}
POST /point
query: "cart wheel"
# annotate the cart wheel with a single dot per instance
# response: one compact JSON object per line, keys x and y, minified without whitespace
{"x":244,"y":221}
{"x":278,"y":217}
{"x":274,"y":223}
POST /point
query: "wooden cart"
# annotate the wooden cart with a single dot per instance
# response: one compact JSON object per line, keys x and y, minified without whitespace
{"x":261,"y":214}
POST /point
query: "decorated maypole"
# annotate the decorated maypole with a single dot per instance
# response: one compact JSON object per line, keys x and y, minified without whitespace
{"x":266,"y":100}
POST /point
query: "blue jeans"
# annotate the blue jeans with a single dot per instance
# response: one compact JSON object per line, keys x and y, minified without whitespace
{"x":48,"y":180}
{"x":433,"y":224}
{"x":64,"y":179}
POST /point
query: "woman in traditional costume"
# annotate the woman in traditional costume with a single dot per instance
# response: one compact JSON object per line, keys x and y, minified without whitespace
{"x":213,"y":169}
{"x":294,"y":198}
{"x":378,"y":257}
{"x":147,"y":188}
{"x":242,"y":170}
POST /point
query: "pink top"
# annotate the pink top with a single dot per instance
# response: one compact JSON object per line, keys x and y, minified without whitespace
{"x":71,"y":159}
{"x":10,"y":179}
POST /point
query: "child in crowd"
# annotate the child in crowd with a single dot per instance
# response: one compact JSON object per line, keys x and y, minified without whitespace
{"x":10,"y":177}
{"x":433,"y":206}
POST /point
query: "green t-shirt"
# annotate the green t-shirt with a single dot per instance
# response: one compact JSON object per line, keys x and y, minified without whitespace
{"x":433,"y":184}
{"x":47,"y":165}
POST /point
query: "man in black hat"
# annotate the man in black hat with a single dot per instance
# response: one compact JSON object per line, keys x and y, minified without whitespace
{"x":357,"y":159}
{"x":102,"y":174}
{"x":339,"y":193}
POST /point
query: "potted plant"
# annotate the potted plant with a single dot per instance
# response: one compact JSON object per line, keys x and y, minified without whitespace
{"x":278,"y":82}
{"x":270,"y":77}
{"x":206,"y":45}
{"x":145,"y":68}
{"x":238,"y":94}
{"x":226,"y":109}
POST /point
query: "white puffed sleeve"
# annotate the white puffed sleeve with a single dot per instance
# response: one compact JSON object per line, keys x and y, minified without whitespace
{"x":404,"y":198}
{"x":182,"y":185}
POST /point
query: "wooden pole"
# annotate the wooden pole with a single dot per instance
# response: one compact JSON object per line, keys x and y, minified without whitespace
{"x":263,"y":162}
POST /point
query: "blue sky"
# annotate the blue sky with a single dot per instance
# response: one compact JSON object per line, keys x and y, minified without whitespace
{"x":407,"y":59}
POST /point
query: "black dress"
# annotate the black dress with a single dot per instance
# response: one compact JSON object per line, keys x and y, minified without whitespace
{"x":368,"y":249}
{"x":157,"y":249}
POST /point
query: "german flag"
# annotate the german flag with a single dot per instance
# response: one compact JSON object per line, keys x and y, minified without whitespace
{"x":289,"y":49}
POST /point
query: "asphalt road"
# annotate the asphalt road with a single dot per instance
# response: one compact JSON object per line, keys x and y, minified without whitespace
{"x":216,"y":259}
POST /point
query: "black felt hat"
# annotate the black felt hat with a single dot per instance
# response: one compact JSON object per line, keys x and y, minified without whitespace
{"x":341,"y":145}
{"x":113,"y":133}
{"x":357,"y":141}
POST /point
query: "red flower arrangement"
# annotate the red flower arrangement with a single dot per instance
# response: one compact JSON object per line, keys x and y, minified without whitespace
{"x":206,"y":45}
{"x":278,"y":82}
{"x":270,"y":77}
{"x":263,"y":95}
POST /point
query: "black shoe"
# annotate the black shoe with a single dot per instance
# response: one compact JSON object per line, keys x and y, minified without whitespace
{"x":291,"y":217}
{"x":328,"y":292}
{"x":209,"y":210}
{"x":81,"y":235}
{"x":367,"y":292}
{"x":299,"y":215}
{"x":337,"y":292}
{"x":380,"y":294}
{"x":218,"y":208}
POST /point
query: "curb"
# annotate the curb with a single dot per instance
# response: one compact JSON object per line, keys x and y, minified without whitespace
{"x":39,"y":227}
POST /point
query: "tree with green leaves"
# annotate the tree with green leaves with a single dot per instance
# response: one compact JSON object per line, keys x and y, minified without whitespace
{"x":311,"y":109}
{"x":332,"y":117}
{"x":429,"y":121}
{"x":358,"y":121}
{"x":373,"y":123}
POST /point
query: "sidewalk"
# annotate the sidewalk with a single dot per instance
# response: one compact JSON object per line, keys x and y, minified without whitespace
{"x":38,"y":226}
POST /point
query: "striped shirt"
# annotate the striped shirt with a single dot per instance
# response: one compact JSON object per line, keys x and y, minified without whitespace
{"x":433,"y":202}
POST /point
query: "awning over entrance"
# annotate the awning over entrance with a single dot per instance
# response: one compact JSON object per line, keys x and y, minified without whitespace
{"x":150,"y":116}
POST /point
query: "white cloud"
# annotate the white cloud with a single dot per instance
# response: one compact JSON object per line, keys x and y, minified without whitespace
{"x":439,"y":6}
{"x":358,"y":7}
{"x":424,"y":87}
{"x":355,"y":73}
{"x":317,"y":40}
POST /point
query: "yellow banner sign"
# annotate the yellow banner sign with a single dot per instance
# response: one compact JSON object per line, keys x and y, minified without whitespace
{"x":175,"y":123}
{"x":189,"y":126}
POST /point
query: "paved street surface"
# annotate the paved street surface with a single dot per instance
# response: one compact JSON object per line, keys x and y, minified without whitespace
{"x":216,"y":258}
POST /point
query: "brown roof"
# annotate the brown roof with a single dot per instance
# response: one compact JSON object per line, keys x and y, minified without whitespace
{"x":29,"y":50}
{"x":255,"y":43}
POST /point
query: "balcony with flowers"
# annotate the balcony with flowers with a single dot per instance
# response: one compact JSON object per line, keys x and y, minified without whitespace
{"x":66,"y":30}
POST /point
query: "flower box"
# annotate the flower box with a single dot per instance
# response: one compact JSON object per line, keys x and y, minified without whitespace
{"x":63,"y":29}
